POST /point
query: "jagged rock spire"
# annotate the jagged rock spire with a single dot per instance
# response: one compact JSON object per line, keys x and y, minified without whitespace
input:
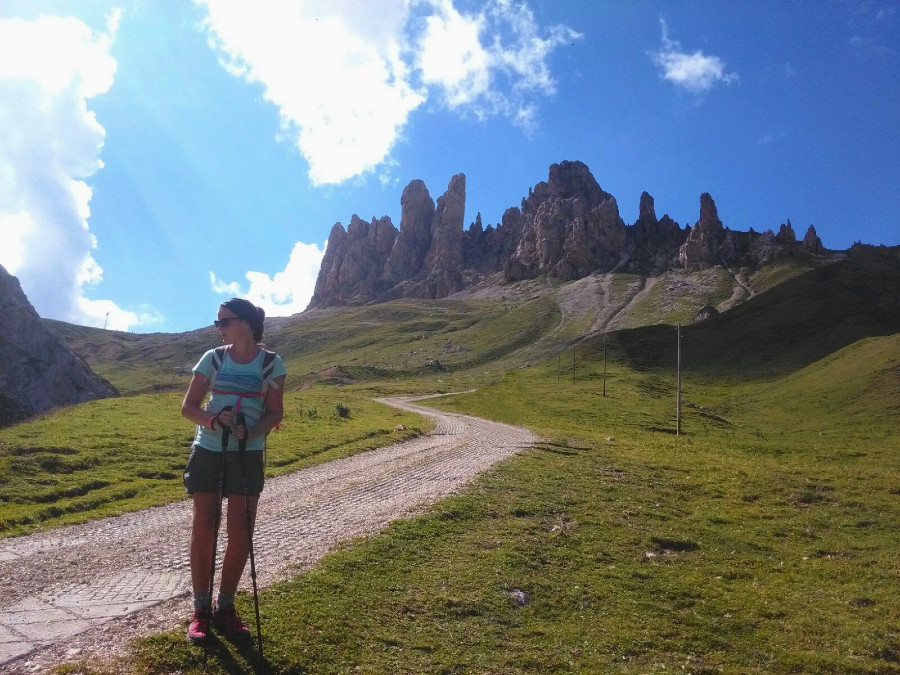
{"x":566,"y":228}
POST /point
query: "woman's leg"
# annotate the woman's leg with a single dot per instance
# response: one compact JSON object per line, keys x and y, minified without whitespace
{"x":238,"y":549}
{"x":202,"y":535}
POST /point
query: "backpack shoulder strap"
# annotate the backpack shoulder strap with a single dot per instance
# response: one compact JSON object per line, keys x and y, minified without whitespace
{"x":268,"y":367}
{"x":268,"y":364}
{"x":217,"y":361}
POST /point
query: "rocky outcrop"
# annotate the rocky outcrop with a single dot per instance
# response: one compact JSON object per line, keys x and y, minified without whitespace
{"x":765,"y":249}
{"x":565,"y":228}
{"x":812,"y":243}
{"x":353,"y":263}
{"x":37,"y":372}
{"x":786,"y":234}
{"x":653,"y":244}
{"x":443,"y":263}
{"x":570,"y":228}
{"x":701,"y":249}
{"x":414,"y":241}
{"x":374,"y":262}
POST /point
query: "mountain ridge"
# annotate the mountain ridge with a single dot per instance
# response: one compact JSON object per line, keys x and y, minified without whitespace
{"x":566,"y":228}
{"x":524,"y":323}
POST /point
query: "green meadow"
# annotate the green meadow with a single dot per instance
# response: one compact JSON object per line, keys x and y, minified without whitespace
{"x":761,"y":539}
{"x":123,"y":454}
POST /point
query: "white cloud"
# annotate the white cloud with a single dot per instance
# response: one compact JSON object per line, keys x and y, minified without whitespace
{"x":491,"y":62}
{"x":106,"y":314}
{"x":346,"y":74}
{"x":697,"y":72}
{"x":286,"y":293}
{"x":332,"y":68}
{"x":51,"y":142}
{"x":451,"y":56}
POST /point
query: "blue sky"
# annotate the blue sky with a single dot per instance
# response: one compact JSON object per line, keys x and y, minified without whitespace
{"x":157,"y":158}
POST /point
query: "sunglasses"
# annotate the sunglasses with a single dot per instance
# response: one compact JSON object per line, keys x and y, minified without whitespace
{"x":224,"y":323}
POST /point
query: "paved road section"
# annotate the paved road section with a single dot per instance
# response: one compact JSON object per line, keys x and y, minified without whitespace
{"x":59,"y":588}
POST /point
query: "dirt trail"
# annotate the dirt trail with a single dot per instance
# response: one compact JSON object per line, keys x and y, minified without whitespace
{"x":64,"y":593}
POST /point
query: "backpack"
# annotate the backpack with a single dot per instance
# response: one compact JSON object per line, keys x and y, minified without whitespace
{"x":268,"y":366}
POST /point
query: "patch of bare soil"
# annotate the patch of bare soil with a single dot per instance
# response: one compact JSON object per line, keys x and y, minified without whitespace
{"x":331,"y":375}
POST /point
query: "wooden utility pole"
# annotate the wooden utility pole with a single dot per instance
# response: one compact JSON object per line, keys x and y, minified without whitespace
{"x":678,"y":395}
{"x":604,"y":363}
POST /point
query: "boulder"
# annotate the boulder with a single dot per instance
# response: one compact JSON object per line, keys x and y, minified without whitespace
{"x":705,"y":312}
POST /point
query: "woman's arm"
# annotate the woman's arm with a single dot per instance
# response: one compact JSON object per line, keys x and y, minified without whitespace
{"x":192,"y":405}
{"x":274,"y":410}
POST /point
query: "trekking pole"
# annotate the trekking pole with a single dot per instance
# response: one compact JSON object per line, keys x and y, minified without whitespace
{"x":226,"y":432}
{"x":242,"y":451}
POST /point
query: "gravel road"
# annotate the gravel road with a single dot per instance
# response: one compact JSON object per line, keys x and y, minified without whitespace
{"x":63,"y":593}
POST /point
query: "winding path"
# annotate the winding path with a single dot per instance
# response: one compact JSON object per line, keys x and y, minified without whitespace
{"x":63,"y":593}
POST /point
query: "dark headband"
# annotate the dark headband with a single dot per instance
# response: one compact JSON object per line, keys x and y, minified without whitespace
{"x":242,"y":309}
{"x":246,"y":310}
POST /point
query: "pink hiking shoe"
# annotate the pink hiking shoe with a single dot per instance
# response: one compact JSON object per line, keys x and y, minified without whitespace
{"x":227,"y":620}
{"x":199,"y":627}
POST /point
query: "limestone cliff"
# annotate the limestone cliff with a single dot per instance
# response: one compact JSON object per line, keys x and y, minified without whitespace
{"x":353,"y":263}
{"x":569,"y":228}
{"x":37,"y":372}
{"x":566,"y":228}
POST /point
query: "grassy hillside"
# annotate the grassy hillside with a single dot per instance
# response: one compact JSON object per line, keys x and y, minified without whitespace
{"x":787,"y":327}
{"x":761,"y":540}
{"x":117,"y":455}
{"x":438,"y":345}
{"x":86,"y":455}
{"x":406,"y":339}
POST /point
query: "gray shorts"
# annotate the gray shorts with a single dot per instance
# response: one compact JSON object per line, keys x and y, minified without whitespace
{"x":205,"y":466}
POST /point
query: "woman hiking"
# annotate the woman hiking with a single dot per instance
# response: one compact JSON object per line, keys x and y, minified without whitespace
{"x":245,"y":384}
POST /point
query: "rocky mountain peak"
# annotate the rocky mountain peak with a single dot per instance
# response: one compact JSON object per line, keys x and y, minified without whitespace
{"x":443,"y":263}
{"x":37,"y":372}
{"x":709,"y":214}
{"x":566,"y":180}
{"x":407,"y":256}
{"x":374,"y":262}
{"x":812,"y":243}
{"x":786,"y":234}
{"x":653,"y":243}
{"x":701,"y":249}
{"x":566,"y":228}
{"x":647,"y":210}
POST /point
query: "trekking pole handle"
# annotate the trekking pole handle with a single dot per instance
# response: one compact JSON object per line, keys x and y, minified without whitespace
{"x":241,"y":421}
{"x":223,"y":426}
{"x":226,"y":430}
